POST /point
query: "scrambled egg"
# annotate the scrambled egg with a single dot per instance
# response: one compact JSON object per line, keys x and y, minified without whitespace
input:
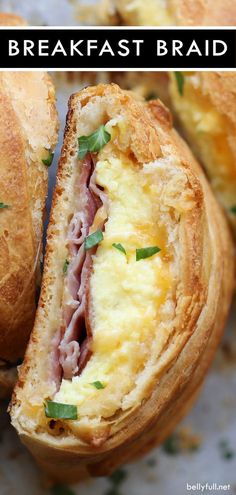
{"x":126,"y":294}
{"x":207,"y":132}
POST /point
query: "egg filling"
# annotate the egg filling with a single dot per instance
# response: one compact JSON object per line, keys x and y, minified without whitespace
{"x":207,"y":131}
{"x":132,"y":302}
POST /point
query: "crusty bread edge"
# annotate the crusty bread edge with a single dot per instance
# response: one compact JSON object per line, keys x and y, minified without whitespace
{"x":222,"y":275}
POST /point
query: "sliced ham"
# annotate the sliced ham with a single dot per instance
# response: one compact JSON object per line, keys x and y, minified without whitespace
{"x":85,"y":354}
{"x":75,"y":345}
{"x":69,"y":357}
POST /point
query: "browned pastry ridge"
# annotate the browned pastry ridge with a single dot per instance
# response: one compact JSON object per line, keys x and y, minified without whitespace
{"x":28,"y":133}
{"x":146,"y":331}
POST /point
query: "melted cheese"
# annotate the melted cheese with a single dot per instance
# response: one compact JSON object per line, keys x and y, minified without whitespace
{"x":127,"y":296}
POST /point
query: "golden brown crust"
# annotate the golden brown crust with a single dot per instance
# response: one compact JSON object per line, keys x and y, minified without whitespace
{"x":28,"y":123}
{"x":213,"y":94}
{"x":17,"y":254}
{"x":142,"y":139}
{"x":28,"y":126}
{"x":220,"y":88}
{"x":203,"y":297}
{"x":154,"y":13}
{"x":203,"y":12}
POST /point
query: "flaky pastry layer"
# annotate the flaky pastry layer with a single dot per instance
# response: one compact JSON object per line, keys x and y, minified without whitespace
{"x":28,"y":132}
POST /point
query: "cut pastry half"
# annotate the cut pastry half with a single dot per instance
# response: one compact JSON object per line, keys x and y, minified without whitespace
{"x":137,"y":285}
{"x":28,"y":134}
{"x":205,"y":106}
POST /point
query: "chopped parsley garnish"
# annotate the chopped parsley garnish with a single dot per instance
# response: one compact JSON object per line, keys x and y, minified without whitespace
{"x":3,"y":205}
{"x":151,"y":462}
{"x":233,"y":209}
{"x":65,"y":266}
{"x":114,"y":490}
{"x":94,"y":142}
{"x":193,"y":447}
{"x":180,"y":82}
{"x":118,"y":477}
{"x":48,"y":161}
{"x":56,"y":410}
{"x":119,"y":247}
{"x":226,"y":452}
{"x":171,"y":445}
{"x":93,"y":239}
{"x":143,"y":253}
{"x":177,"y":443}
{"x":98,"y":385}
{"x":61,"y":490}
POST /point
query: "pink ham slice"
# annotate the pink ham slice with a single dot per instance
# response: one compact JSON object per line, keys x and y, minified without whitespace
{"x":75,"y":345}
